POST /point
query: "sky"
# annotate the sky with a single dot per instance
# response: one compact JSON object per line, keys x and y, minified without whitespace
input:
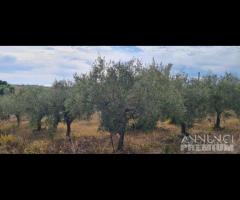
{"x":41,"y":65}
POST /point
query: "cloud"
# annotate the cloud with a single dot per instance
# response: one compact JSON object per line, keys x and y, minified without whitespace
{"x":43,"y":64}
{"x":217,"y":59}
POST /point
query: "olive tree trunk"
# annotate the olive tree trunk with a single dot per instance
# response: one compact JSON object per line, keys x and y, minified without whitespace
{"x":121,"y":141}
{"x":111,"y":138}
{"x":184,"y":129}
{"x":18,"y":120}
{"x":39,"y":125}
{"x":68,"y":133}
{"x":218,"y":121}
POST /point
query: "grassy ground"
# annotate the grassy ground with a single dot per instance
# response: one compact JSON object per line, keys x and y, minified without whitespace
{"x":86,"y":139}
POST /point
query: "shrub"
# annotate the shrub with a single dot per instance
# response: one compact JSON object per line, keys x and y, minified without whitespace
{"x":37,"y":147}
{"x":10,"y":144}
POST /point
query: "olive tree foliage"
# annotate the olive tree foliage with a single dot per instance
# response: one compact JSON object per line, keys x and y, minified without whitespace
{"x":193,"y":100}
{"x":78,"y":104}
{"x":58,"y":94}
{"x":152,"y":96}
{"x":11,"y":103}
{"x":158,"y":95}
{"x":61,"y":95}
{"x":15,"y":105}
{"x":69,"y":101}
{"x":4,"y":112}
{"x":36,"y":105}
{"x":83,"y":106}
{"x":5,"y":90}
{"x":161,"y":96}
{"x":111,"y":85}
{"x":223,"y":94}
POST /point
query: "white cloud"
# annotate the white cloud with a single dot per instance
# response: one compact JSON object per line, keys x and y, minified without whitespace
{"x":198,"y":57}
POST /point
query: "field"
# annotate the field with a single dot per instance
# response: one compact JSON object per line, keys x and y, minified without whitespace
{"x":87,"y":139}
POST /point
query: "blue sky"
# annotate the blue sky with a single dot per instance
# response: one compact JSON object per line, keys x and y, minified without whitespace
{"x":41,"y":65}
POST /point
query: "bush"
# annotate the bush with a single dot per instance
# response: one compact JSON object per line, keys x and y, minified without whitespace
{"x":37,"y":147}
{"x":146,"y":123}
{"x":10,"y":144}
{"x":7,"y":139}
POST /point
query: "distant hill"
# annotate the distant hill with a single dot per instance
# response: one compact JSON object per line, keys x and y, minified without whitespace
{"x":6,"y":88}
{"x":29,"y":86}
{"x":18,"y":87}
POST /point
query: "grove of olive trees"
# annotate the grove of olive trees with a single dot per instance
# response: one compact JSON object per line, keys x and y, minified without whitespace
{"x":127,"y":96}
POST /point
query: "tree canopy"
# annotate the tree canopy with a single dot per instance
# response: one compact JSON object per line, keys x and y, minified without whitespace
{"x":5,"y":88}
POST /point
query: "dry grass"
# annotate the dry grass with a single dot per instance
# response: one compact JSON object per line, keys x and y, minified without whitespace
{"x":86,"y":139}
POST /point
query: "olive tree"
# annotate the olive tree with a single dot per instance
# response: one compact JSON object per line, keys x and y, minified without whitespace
{"x":5,"y":90}
{"x":70,"y":101}
{"x":158,"y":95}
{"x":58,"y":95}
{"x":60,"y":101}
{"x":150,"y":96}
{"x":36,"y":105}
{"x":15,"y":105}
{"x":111,"y":85}
{"x":190,"y":101}
{"x":223,"y":94}
{"x":4,"y":112}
